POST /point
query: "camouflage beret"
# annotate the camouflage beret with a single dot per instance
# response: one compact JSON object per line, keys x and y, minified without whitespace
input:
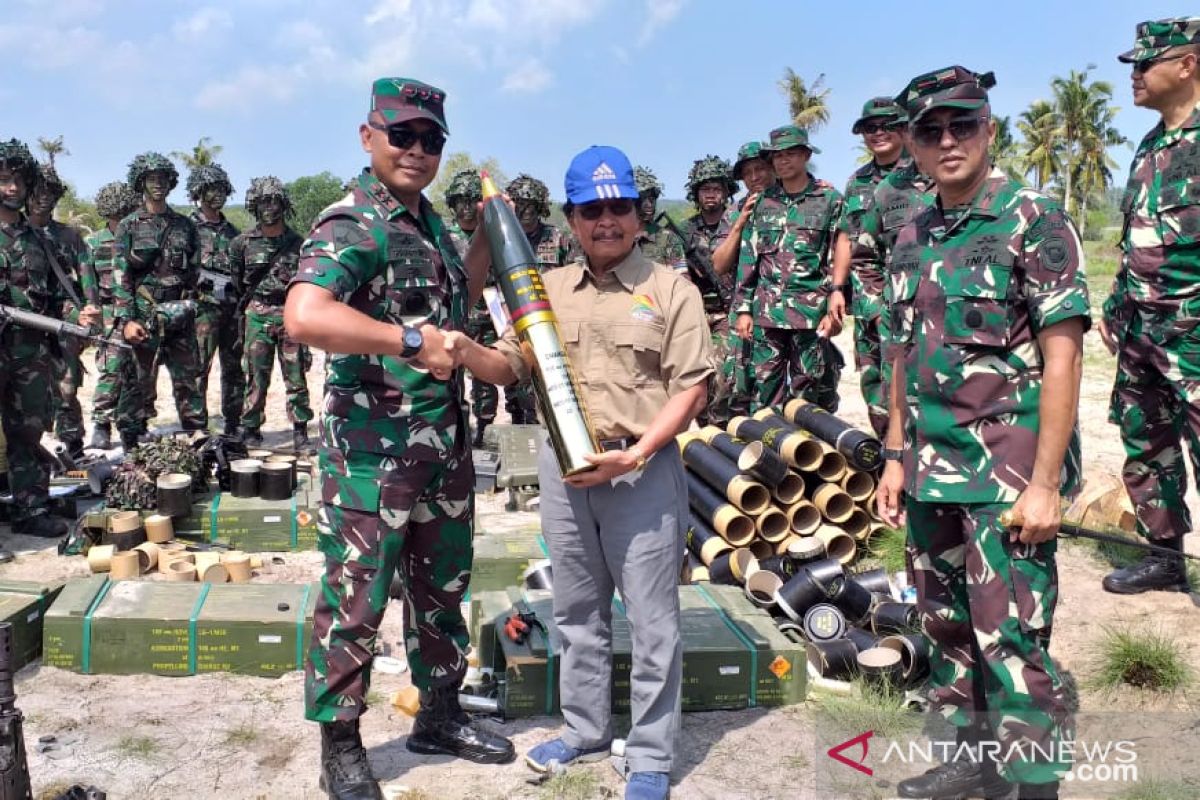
{"x":883,"y":108}
{"x":145,"y":163}
{"x":952,"y":87}
{"x":15,"y":156}
{"x":710,"y":168}
{"x":1155,"y":37}
{"x":403,"y":99}
{"x":747,"y":152}
{"x":48,"y":179}
{"x":208,"y":175}
{"x":786,"y":137}
{"x":266,"y":186}
{"x":527,"y":187}
{"x":646,"y":181}
{"x":466,"y":184}
{"x":116,"y":199}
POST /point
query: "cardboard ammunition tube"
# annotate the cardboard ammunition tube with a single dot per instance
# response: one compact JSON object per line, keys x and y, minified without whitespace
{"x":243,"y":476}
{"x":755,"y":459}
{"x":861,"y":448}
{"x":880,"y":666}
{"x":854,"y":599}
{"x":731,"y":567}
{"x":760,"y":549}
{"x":734,"y":526}
{"x":824,"y":623}
{"x":704,"y":542}
{"x":828,"y":574}
{"x":205,"y":559}
{"x":889,"y":617}
{"x":858,"y":525}
{"x":159,"y":528}
{"x":722,"y":474}
{"x":806,"y":550}
{"x":538,"y":575}
{"x":798,"y":594}
{"x":147,"y":556}
{"x":790,"y":490}
{"x":805,"y":453}
{"x":99,"y":557}
{"x":871,"y":508}
{"x":708,"y":432}
{"x":694,"y":571}
{"x":700,"y":574}
{"x":783,"y":544}
{"x":288,"y":459}
{"x":215,"y":573}
{"x":174,"y":494}
{"x":123,"y":566}
{"x":836,"y":659}
{"x":863,"y":640}
{"x":871,"y":541}
{"x":181,"y":571}
{"x":761,"y":588}
{"x":874,"y":580}
{"x":772,"y":525}
{"x":228,"y":554}
{"x":782,"y":566}
{"x":166,"y":558}
{"x":838,"y":543}
{"x":275,"y":480}
{"x":804,"y":517}
{"x":914,"y":654}
{"x":834,"y":504}
{"x":124,"y":521}
{"x":858,"y":484}
{"x":833,"y":465}
{"x":792,"y":444}
{"x":256,"y":562}
{"x":239,"y":568}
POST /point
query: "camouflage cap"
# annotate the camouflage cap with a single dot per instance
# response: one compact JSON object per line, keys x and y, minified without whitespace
{"x":527,"y":187}
{"x":201,"y":178}
{"x":1155,"y":37}
{"x":145,"y":163}
{"x":786,"y":137}
{"x":747,"y":152}
{"x":952,"y":87}
{"x":49,"y":179}
{"x":116,"y":199}
{"x":404,"y":99}
{"x":884,"y":108}
{"x":266,"y":186}
{"x":646,"y":181}
{"x":466,"y":184}
{"x":710,"y":169}
{"x":14,"y":155}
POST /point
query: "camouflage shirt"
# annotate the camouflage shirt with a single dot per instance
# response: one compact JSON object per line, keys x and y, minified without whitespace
{"x":263,"y":266}
{"x":26,"y":279}
{"x":551,"y":247}
{"x":702,"y":240}
{"x":860,"y":191}
{"x":101,"y":259}
{"x":157,"y":252}
{"x":968,"y":294}
{"x":660,"y":244}
{"x":461,"y":238}
{"x":71,"y":252}
{"x":396,"y":266}
{"x":896,"y":200}
{"x":1159,"y":278}
{"x":215,"y":238}
{"x":783,"y":267}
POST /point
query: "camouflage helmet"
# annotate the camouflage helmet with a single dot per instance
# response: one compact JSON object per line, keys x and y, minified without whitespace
{"x":48,"y":179}
{"x":208,"y":175}
{"x":266,"y":186}
{"x":15,"y":156}
{"x":527,"y":187}
{"x":145,"y":163}
{"x":466,"y":184}
{"x":710,"y":168}
{"x":646,"y":181}
{"x":116,"y":199}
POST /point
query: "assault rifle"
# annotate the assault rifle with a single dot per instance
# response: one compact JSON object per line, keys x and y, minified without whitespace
{"x":58,"y":327}
{"x":1009,"y":519}
{"x":700,"y":267}
{"x":14,"y":770}
{"x":217,"y":283}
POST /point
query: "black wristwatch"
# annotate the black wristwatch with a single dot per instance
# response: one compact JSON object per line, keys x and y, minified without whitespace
{"x":893,"y":455}
{"x":413,"y":342}
{"x":841,"y":287}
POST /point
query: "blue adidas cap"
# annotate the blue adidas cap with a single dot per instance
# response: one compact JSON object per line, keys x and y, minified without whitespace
{"x":600,"y":173}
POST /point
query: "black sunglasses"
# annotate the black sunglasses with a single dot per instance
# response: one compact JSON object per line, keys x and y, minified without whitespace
{"x":869,"y":128}
{"x":1146,"y":63}
{"x":928,"y":134}
{"x":593,"y":211}
{"x":432,"y":141}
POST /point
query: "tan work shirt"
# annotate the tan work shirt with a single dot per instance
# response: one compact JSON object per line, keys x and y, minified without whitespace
{"x":635,"y":336}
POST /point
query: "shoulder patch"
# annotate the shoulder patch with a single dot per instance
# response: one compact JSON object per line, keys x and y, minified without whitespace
{"x":347,"y":233}
{"x":1055,"y":253}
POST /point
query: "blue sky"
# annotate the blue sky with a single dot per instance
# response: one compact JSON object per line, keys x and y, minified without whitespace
{"x":283,"y":84}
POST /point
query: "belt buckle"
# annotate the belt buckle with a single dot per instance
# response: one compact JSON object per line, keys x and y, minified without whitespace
{"x":619,"y":443}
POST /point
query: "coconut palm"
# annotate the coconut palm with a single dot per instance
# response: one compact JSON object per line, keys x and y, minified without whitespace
{"x":1003,"y":150}
{"x":1041,"y":156}
{"x":202,"y":155}
{"x":53,"y":147}
{"x":806,"y":104}
{"x":1084,"y":116}
{"x":1093,"y":172}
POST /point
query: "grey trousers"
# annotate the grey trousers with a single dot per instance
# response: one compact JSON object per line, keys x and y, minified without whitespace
{"x":630,"y":537}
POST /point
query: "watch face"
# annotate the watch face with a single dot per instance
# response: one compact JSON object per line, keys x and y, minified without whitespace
{"x":413,"y":341}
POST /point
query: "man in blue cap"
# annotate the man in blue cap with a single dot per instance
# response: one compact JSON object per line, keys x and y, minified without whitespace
{"x":636,"y":335}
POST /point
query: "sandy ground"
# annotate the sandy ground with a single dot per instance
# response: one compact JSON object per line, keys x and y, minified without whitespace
{"x":242,"y":737}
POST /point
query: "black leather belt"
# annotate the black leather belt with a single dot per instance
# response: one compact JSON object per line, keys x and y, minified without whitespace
{"x":623,"y":443}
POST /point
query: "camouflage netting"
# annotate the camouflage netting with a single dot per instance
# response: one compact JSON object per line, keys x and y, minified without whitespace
{"x":14,"y":155}
{"x":48,"y":179}
{"x":144,"y":164}
{"x":527,"y":187}
{"x":465,"y":184}
{"x":116,"y":199}
{"x":710,"y":168}
{"x":646,"y":181}
{"x":267,"y":186}
{"x":134,"y":484}
{"x":202,"y":178}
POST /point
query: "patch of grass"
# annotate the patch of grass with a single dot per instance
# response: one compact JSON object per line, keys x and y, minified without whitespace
{"x":241,"y":736}
{"x":887,"y":548}
{"x":137,"y":747}
{"x":1154,"y":789}
{"x":408,"y":794}
{"x":376,"y":698}
{"x":869,"y":708}
{"x":1145,"y":660}
{"x":574,"y":784}
{"x":54,"y":790}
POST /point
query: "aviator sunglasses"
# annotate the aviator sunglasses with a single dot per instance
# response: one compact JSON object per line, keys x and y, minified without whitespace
{"x":432,"y":141}
{"x":928,"y":134}
{"x":1140,"y":67}
{"x":593,"y":211}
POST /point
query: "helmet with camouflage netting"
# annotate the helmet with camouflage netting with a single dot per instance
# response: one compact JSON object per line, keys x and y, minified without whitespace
{"x":465,"y":184}
{"x":49,"y":180}
{"x":646,"y":181}
{"x":710,"y":168}
{"x":527,"y":187}
{"x":145,"y":163}
{"x":116,"y":199}
{"x":15,"y":156}
{"x":264,"y":187}
{"x":208,"y":175}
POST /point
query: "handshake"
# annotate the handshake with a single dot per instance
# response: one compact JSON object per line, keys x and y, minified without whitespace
{"x":443,"y":351}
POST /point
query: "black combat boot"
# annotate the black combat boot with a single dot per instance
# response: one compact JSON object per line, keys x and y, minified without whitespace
{"x":231,"y":428}
{"x":345,"y":771}
{"x":300,"y":437}
{"x":443,"y":728}
{"x":101,"y":436}
{"x":129,"y":441}
{"x":477,"y":442}
{"x":960,"y":778}
{"x":251,"y":437}
{"x":1038,"y":791}
{"x":74,"y":448}
{"x":43,"y":526}
{"x":1156,"y":571}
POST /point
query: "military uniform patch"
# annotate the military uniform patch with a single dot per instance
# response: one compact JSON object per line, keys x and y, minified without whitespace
{"x":1055,"y":254}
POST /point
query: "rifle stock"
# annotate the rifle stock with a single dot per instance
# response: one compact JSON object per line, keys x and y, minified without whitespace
{"x":57,"y":327}
{"x":702,"y":271}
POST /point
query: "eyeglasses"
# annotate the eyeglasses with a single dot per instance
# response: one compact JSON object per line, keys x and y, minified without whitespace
{"x":869,"y":128}
{"x":1146,"y":63}
{"x":593,"y":211}
{"x":929,"y":134}
{"x":432,"y":141}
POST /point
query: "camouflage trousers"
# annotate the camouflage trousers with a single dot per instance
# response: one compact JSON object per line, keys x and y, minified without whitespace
{"x":219,"y":330}
{"x":179,"y":352}
{"x":26,"y":374}
{"x":485,"y":397}
{"x":68,"y":377}
{"x":789,"y":364}
{"x":109,"y":368}
{"x":379,"y":515}
{"x":265,"y":340}
{"x":987,"y":606}
{"x":868,"y":360}
{"x":1156,"y":403}
{"x":720,"y":389}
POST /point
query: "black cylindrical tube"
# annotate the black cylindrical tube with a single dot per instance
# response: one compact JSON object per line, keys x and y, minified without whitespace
{"x":538,"y":575}
{"x":889,"y":617}
{"x":836,"y":659}
{"x":861,"y":449}
{"x":753,"y":458}
{"x":824,"y":623}
{"x":854,"y":600}
{"x":724,"y":517}
{"x":800,"y":593}
{"x":703,"y":541}
{"x":873,"y":580}
{"x":863,"y":640}
{"x":783,"y":566}
{"x":174,"y":494}
{"x":275,"y":481}
{"x":243,"y":477}
{"x":723,"y":475}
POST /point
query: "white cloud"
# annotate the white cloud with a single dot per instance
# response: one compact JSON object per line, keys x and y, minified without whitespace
{"x":531,"y":76}
{"x":251,"y":86}
{"x":204,"y":22}
{"x":659,"y":13}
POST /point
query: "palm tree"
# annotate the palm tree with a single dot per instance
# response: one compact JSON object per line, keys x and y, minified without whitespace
{"x":1093,"y":172}
{"x":806,"y":104}
{"x":1004,"y":148}
{"x":202,"y":155}
{"x":53,"y":147}
{"x":1042,"y":155}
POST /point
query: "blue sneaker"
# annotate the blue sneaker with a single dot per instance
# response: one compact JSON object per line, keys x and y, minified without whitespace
{"x":543,"y":757}
{"x":648,"y":786}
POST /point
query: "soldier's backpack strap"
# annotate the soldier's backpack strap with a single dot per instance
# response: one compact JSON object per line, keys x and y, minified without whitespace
{"x":57,"y":268}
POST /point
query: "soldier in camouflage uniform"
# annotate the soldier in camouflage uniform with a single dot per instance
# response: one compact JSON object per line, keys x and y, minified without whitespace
{"x":989,"y":304}
{"x":157,"y":261}
{"x":379,"y":280}
{"x":881,"y":126}
{"x":262,"y":262}
{"x":783,"y":280}
{"x":1152,"y":318}
{"x":67,"y":247}
{"x":114,"y":202}
{"x":218,"y":325}
{"x":27,"y":281}
{"x":658,"y":242}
